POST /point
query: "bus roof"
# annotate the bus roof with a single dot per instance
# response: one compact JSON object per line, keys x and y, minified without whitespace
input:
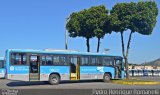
{"x":59,"y":52}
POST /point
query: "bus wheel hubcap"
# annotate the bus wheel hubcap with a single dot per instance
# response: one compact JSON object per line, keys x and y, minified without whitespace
{"x":54,"y":79}
{"x":106,"y":78}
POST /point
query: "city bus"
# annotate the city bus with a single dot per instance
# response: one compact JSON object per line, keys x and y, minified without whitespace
{"x":140,"y":72}
{"x":130,"y":72}
{"x":58,"y":65}
{"x":155,"y":72}
{"x":134,"y":72}
{"x":159,"y":72}
{"x":2,"y":68}
{"x":150,"y":73}
{"x":146,"y":72}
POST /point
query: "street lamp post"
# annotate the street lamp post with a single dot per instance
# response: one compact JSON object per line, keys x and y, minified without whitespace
{"x":66,"y":36}
{"x":66,"y":39}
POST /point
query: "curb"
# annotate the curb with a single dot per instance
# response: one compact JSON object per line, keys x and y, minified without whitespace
{"x":136,"y":83}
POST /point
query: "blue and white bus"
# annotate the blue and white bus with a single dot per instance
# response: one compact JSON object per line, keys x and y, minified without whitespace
{"x":155,"y":72}
{"x":55,"y":66}
{"x":150,"y":73}
{"x":2,"y":68}
{"x":135,"y":72}
{"x":146,"y":72}
{"x":140,"y":72}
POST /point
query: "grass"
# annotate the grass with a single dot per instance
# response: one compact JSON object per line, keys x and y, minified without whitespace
{"x":134,"y":81}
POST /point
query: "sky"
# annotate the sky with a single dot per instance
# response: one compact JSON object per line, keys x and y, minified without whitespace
{"x":40,"y":24}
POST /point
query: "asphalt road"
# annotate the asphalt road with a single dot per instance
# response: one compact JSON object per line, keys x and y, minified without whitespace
{"x":8,"y":87}
{"x":8,"y":84}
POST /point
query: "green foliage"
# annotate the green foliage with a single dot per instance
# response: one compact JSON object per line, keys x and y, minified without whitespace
{"x":99,"y":33}
{"x":121,"y":14}
{"x":88,"y":23}
{"x":85,"y":22}
{"x":138,"y":17}
{"x":96,"y":22}
{"x":145,"y":18}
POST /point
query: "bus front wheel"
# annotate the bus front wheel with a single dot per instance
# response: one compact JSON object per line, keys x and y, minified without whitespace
{"x":106,"y":77}
{"x":54,"y":79}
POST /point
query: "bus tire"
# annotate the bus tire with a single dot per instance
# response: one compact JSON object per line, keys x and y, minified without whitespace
{"x":46,"y":82}
{"x":54,"y":79}
{"x":106,"y":78}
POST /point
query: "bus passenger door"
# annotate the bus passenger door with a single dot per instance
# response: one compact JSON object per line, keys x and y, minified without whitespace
{"x":118,"y":68}
{"x":74,"y":68}
{"x":34,"y":72}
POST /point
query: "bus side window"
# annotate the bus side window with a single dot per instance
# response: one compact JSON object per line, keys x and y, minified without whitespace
{"x":84,"y":61}
{"x":49,"y":60}
{"x":56,"y":60}
{"x":14,"y":59}
{"x":95,"y":61}
{"x":107,"y":61}
{"x":63,"y":60}
{"x":99,"y":61}
{"x":43,"y":60}
{"x":18,"y":59}
{"x":24,"y":59}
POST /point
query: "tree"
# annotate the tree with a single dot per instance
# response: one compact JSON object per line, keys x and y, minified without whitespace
{"x":102,"y":24}
{"x":88,"y":23}
{"x":137,"y":17}
{"x":99,"y":34}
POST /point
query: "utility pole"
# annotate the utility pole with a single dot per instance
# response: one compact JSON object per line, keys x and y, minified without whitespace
{"x":66,"y":36}
{"x":66,"y":39}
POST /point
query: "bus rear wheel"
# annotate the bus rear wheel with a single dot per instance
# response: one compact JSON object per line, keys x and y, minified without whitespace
{"x":54,"y":79}
{"x":106,"y":78}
